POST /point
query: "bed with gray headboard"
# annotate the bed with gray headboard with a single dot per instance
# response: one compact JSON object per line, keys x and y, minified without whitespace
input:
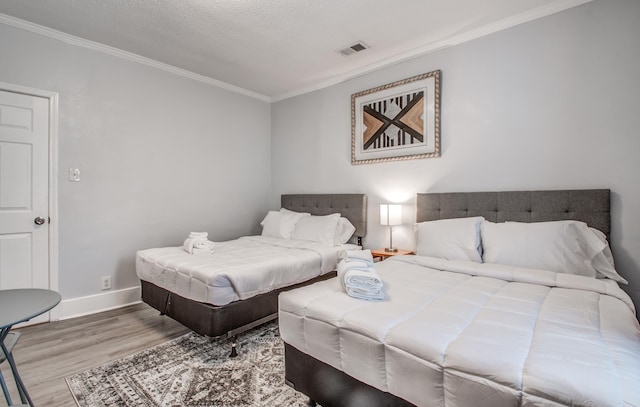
{"x":237,"y":316}
{"x":403,"y":351}
{"x":588,"y":205}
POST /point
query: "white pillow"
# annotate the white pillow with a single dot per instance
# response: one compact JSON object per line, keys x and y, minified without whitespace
{"x":451,"y":239}
{"x":280,"y":225}
{"x":344,"y":231}
{"x":271,"y":224}
{"x":562,"y":246}
{"x":603,"y":261}
{"x":285,"y":210}
{"x":321,"y":229}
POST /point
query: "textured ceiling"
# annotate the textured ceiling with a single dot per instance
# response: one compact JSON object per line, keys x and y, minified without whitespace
{"x":278,"y":48}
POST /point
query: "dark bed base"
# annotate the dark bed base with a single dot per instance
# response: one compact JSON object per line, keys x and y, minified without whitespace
{"x":215,"y":321}
{"x":232,"y":319}
{"x":331,"y":387}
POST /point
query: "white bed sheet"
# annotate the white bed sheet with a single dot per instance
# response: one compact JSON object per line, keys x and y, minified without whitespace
{"x":237,"y":269}
{"x":467,"y":334}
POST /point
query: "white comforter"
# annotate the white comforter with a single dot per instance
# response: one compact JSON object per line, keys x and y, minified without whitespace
{"x":467,"y":334}
{"x":238,"y":269}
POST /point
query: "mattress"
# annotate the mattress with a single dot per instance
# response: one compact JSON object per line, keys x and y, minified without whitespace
{"x":238,"y":269}
{"x":470,"y":334}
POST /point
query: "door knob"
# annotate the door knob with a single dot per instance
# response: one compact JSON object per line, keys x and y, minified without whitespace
{"x":39,"y":220}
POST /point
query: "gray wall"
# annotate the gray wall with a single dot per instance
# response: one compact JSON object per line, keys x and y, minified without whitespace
{"x":545,"y":105}
{"x":160,"y":156}
{"x":550,"y":104}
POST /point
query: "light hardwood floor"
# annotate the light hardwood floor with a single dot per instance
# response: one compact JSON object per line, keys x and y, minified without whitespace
{"x":47,"y":353}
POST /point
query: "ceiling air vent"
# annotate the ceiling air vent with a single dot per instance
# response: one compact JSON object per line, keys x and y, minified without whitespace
{"x":357,"y":47}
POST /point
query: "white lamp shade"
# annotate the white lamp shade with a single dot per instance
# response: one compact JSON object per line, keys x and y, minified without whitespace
{"x":390,"y":214}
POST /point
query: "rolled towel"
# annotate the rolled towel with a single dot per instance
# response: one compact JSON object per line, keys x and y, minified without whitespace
{"x":188,"y":245}
{"x":198,"y":234}
{"x":198,"y":245}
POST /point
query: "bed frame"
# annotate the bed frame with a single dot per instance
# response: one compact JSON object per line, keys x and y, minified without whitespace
{"x":236,"y":317}
{"x":331,"y":387}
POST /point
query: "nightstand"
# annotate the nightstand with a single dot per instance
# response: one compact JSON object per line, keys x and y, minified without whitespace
{"x":382,"y":254}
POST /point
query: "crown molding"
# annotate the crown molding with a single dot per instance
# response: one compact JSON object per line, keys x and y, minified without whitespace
{"x":488,"y":29}
{"x":116,"y":52}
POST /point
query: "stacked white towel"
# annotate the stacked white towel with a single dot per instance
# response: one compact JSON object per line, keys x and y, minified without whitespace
{"x":197,"y":243}
{"x":358,"y":277}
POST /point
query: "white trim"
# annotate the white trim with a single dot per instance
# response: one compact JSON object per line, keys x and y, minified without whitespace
{"x":503,"y":24}
{"x":53,"y":200}
{"x":92,"y":304}
{"x":438,"y":45}
{"x":130,"y":56}
{"x":53,"y":179}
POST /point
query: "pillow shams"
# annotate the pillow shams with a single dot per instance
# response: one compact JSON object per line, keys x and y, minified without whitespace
{"x":321,"y":229}
{"x":280,"y":225}
{"x":451,"y":239}
{"x":344,"y":231}
{"x":561,"y":246}
{"x":603,"y":261}
{"x":285,"y":210}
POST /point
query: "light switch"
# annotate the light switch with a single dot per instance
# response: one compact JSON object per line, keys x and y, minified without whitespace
{"x":74,"y":174}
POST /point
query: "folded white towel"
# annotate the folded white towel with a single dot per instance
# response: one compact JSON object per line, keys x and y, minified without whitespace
{"x":188,"y":245}
{"x":365,"y":295}
{"x":345,"y":266}
{"x":357,"y":276}
{"x":359,"y":255}
{"x":362,"y":283}
{"x":203,"y":244}
{"x":201,"y":251}
{"x":197,"y":243}
{"x":366,"y":280}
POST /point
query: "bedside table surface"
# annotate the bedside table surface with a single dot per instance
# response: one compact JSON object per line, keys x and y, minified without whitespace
{"x":382,"y":253}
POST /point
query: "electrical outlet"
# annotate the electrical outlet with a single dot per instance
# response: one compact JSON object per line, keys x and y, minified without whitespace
{"x":106,"y":283}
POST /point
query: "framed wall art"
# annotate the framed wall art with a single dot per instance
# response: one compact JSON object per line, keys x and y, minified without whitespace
{"x":397,"y":121}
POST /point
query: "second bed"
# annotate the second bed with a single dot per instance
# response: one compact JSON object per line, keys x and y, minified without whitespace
{"x":217,"y":294}
{"x":481,"y":332}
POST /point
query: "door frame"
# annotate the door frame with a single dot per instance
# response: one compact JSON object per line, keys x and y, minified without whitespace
{"x":54,"y":314}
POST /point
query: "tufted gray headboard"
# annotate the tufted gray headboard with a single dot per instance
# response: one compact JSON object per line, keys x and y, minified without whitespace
{"x":588,"y":205}
{"x":351,"y":206}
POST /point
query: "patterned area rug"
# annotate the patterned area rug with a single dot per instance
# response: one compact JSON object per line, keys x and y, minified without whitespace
{"x":192,"y":371}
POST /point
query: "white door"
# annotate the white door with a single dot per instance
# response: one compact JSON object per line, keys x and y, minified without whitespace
{"x":24,"y":191}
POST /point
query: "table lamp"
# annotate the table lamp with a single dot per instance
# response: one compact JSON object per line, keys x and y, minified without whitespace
{"x":390,"y":215}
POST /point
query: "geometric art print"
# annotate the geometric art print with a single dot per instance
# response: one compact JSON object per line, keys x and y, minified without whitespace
{"x":397,"y":121}
{"x":393,"y":122}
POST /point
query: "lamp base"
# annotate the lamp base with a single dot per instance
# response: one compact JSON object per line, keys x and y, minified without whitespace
{"x":390,"y":249}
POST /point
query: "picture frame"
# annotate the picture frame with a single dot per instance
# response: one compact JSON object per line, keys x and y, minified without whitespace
{"x":397,"y":121}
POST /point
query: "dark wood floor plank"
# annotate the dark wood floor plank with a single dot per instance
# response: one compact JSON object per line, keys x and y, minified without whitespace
{"x":47,"y":353}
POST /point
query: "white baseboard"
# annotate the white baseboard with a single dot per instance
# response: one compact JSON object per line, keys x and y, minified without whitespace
{"x":77,"y":307}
